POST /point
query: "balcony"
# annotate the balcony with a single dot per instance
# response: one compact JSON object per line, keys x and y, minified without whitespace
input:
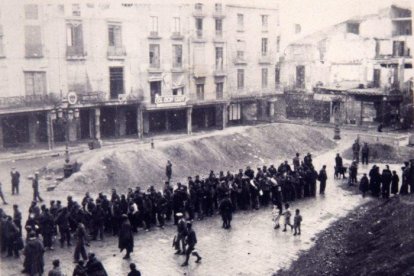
{"x":248,"y":93}
{"x":154,"y":35}
{"x":75,"y":53}
{"x":29,"y":101}
{"x":219,"y":71}
{"x":239,"y":60}
{"x":177,"y":36}
{"x":34,"y":50}
{"x":199,"y":37}
{"x":218,"y":12}
{"x":265,"y":58}
{"x":116,"y":52}
{"x":198,"y":11}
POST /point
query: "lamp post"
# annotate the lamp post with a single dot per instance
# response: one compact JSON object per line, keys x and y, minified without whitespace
{"x":65,"y":115}
{"x":337,"y":118}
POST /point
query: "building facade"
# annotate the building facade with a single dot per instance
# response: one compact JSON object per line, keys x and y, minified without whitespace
{"x":359,"y":70}
{"x":133,"y":69}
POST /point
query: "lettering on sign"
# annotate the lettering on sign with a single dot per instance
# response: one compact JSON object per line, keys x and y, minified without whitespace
{"x":170,"y":100}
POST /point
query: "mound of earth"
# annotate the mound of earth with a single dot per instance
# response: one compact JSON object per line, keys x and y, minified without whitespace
{"x":134,"y":165}
{"x":381,"y":153}
{"x":375,"y":239}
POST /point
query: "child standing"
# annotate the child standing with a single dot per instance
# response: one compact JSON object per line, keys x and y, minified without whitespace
{"x":287,"y":215}
{"x":296,"y":222}
{"x":276,"y":213}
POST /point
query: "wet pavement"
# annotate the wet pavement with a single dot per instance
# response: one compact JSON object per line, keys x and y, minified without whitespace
{"x":251,"y":247}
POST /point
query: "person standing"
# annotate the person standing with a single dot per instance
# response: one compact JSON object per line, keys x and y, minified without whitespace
{"x":35,"y":186}
{"x":296,"y":162}
{"x":364,"y":184}
{"x":386,"y":178}
{"x":191,"y":241}
{"x":394,"y":183}
{"x":365,"y":154}
{"x":297,"y":220}
{"x":226,"y":209}
{"x":15,"y":181}
{"x":355,"y":149}
{"x":17,"y":217}
{"x":126,"y":237}
{"x":322,"y":179}
{"x":134,"y":271}
{"x":2,"y":196}
{"x":168,"y":170}
{"x":181,"y":234}
{"x":81,"y":242}
{"x":287,"y":214}
{"x":33,"y":262}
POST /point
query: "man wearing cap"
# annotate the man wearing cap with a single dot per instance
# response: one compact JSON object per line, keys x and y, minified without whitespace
{"x":35,"y":186}
{"x":33,"y":263}
{"x":126,"y":237}
{"x":190,"y":241}
{"x":181,"y":234}
{"x":81,"y":242}
{"x":15,"y":180}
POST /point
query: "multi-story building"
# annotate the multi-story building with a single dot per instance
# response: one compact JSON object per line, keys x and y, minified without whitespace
{"x":132,"y":69}
{"x":358,"y":70}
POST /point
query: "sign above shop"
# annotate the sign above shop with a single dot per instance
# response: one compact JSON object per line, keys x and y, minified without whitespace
{"x":170,"y":100}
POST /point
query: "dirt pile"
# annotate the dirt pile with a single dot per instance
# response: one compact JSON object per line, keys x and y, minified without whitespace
{"x":375,"y":239}
{"x":381,"y":153}
{"x":132,"y":165}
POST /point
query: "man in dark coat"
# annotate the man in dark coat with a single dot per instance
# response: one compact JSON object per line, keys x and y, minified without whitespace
{"x":94,"y":267}
{"x":191,"y":241}
{"x":394,"y":183}
{"x":15,"y":180}
{"x":226,"y":210}
{"x":81,"y":242}
{"x":168,"y":170}
{"x":47,"y":228}
{"x":355,"y":150}
{"x":35,"y":186}
{"x":322,"y":179}
{"x":339,"y":167}
{"x":365,"y":153}
{"x":386,"y":178}
{"x":364,"y":184}
{"x":33,"y":263}
{"x":126,"y":237}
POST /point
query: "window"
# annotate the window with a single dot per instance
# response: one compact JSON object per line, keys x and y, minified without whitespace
{"x":234,"y":112}
{"x":33,"y":41}
{"x":115,"y":35}
{"x":219,"y":90}
{"x":219,"y":57}
{"x":278,"y":43}
{"x":154,"y":25}
{"x":31,"y":11}
{"x":155,"y":90}
{"x":277,"y":76}
{"x":200,"y":91}
{"x":219,"y":27}
{"x":398,"y":48}
{"x":352,"y":28}
{"x":300,"y":76}
{"x":76,"y":10}
{"x":264,"y":77}
{"x":154,"y":55}
{"x":218,"y":7}
{"x":178,"y":56}
{"x":240,"y":22}
{"x":240,"y":54}
{"x":116,"y":81}
{"x":74,"y":39}
{"x":177,"y":25}
{"x":265,"y":21}
{"x":178,"y":91}
{"x":199,"y":27}
{"x":35,"y":83}
{"x":240,"y":78}
{"x":264,"y":46}
{"x":377,"y":78}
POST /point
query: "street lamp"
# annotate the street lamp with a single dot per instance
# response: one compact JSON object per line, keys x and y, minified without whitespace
{"x":65,"y":116}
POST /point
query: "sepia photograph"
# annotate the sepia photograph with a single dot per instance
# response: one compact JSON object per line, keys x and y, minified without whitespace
{"x":206,"y":138}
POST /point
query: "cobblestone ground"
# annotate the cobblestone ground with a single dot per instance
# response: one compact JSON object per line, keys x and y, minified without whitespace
{"x":251,"y":247}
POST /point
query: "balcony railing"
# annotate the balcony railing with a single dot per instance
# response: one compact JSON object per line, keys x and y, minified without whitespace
{"x":253,"y":93}
{"x":116,"y":52}
{"x":75,"y":52}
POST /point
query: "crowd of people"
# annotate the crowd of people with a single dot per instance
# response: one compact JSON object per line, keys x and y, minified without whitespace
{"x":123,"y":215}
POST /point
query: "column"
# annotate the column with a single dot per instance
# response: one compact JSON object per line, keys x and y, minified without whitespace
{"x":271,"y":110}
{"x":167,"y":121}
{"x":140,"y":123}
{"x":120,"y":126}
{"x":189,"y":121}
{"x":91,"y":123}
{"x":33,"y":126}
{"x":97,"y":123}
{"x":49,"y":129}
{"x":1,"y":133}
{"x":224,"y":116}
{"x":205,"y":112}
